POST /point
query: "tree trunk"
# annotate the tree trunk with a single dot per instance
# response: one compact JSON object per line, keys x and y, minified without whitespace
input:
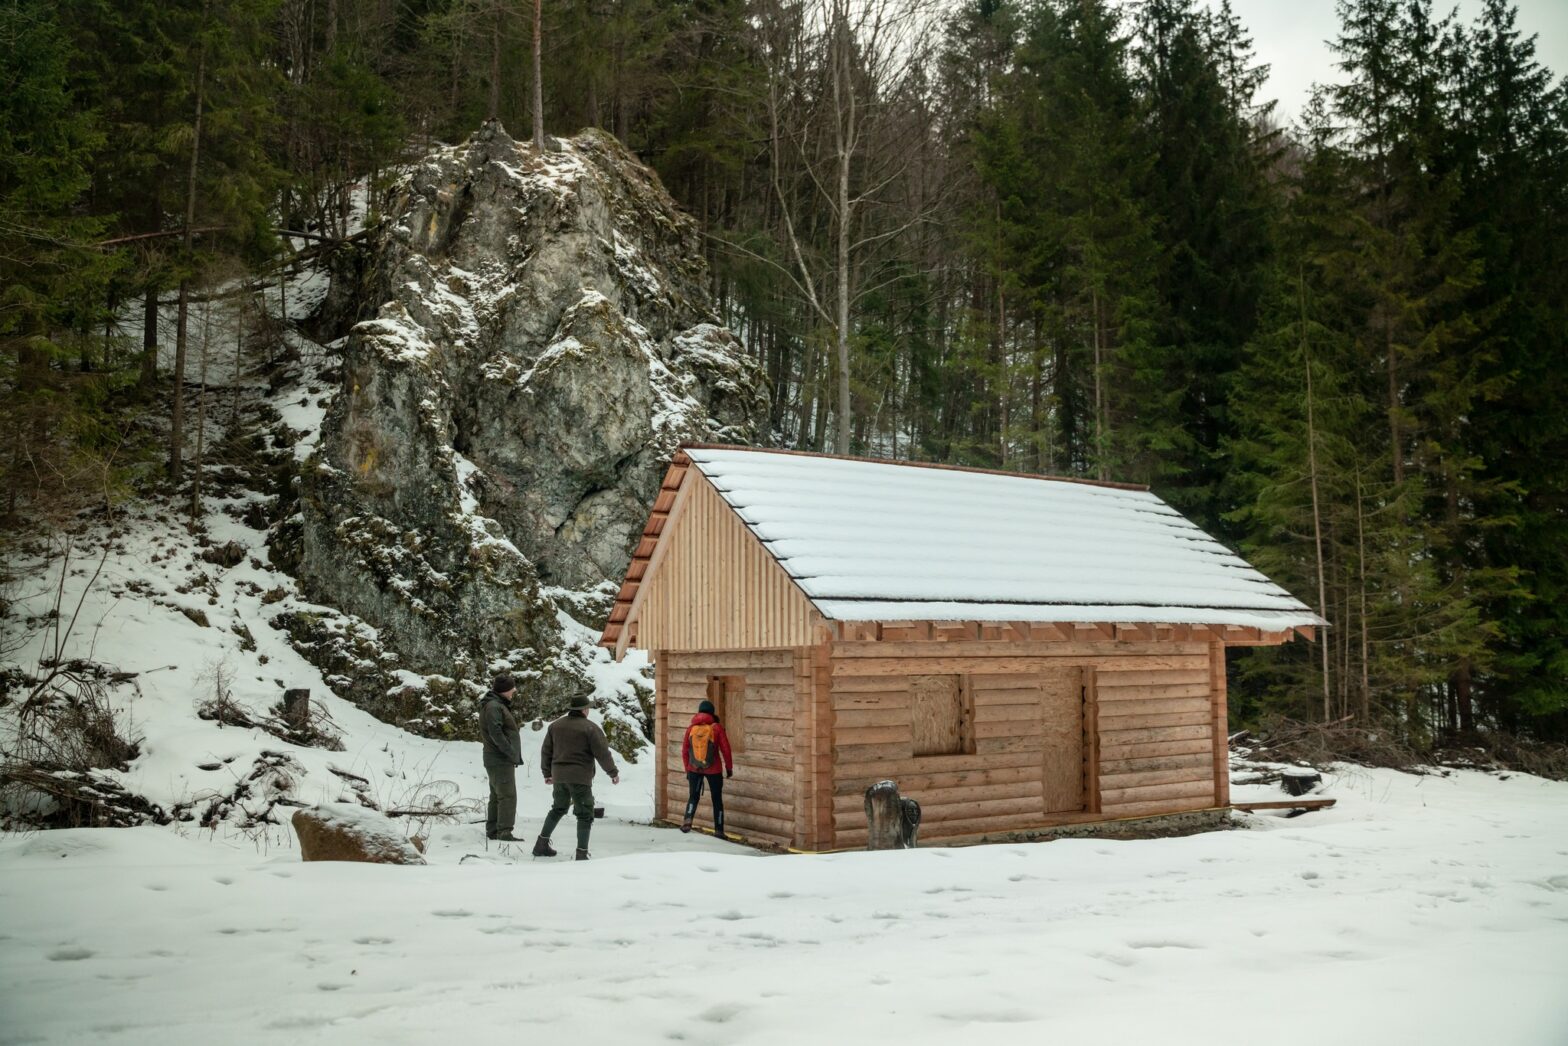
{"x":844,"y":133}
{"x":1099,"y":391}
{"x":538,"y":78}
{"x":1312,"y":472}
{"x":149,"y":361}
{"x":177,"y":415}
{"x":494,"y":111}
{"x":201,"y":416}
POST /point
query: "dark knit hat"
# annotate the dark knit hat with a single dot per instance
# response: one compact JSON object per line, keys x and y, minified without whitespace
{"x":502,"y":683}
{"x":579,"y":701}
{"x":707,"y":706}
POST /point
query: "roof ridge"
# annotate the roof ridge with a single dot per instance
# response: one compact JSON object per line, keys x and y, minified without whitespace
{"x":1108,"y":484}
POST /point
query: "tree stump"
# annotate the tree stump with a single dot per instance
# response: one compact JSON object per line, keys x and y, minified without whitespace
{"x":1299,"y":780}
{"x":296,"y":709}
{"x":893,"y":822}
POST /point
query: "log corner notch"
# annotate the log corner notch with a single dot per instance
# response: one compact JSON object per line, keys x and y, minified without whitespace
{"x":893,"y":822}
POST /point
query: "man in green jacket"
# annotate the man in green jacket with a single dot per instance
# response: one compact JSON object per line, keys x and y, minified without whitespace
{"x":572,"y":745}
{"x":503,"y":755}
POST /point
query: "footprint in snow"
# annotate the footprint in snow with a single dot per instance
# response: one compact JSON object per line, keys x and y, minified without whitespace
{"x":1164,"y":944}
{"x":372,"y":940}
{"x":721,"y":1014}
{"x":156,"y":887}
{"x":452,"y":913}
{"x":70,"y":954}
{"x":731,"y":916}
{"x":327,"y":986}
{"x":223,"y":880}
{"x":780,"y":895}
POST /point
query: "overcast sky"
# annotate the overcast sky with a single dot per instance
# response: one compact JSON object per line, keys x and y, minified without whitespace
{"x":1290,"y":36}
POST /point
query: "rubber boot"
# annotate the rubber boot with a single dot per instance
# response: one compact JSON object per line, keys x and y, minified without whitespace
{"x":542,"y":848}
{"x":582,"y":855}
{"x":718,"y":826}
{"x":691,"y":811}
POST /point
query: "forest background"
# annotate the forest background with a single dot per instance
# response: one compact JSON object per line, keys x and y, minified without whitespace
{"x":1055,"y":236}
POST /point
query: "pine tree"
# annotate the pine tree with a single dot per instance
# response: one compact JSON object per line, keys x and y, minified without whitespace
{"x":52,"y":279}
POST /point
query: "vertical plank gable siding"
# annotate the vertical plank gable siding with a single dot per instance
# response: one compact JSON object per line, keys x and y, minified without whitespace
{"x":1154,"y":703}
{"x":716,"y":587}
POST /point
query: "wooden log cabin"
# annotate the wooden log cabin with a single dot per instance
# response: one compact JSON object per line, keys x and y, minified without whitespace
{"x":1017,"y":652}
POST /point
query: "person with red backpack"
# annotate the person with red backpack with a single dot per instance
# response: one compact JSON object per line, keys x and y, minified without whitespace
{"x":706,"y":754}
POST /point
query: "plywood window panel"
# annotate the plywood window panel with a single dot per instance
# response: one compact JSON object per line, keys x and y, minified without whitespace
{"x":942,"y":715}
{"x":728,"y":694}
{"x":1062,"y":699}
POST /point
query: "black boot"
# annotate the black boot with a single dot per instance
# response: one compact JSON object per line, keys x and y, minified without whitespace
{"x":505,"y":837}
{"x":582,"y":855}
{"x":691,"y":811}
{"x":718,"y":826}
{"x":542,"y":848}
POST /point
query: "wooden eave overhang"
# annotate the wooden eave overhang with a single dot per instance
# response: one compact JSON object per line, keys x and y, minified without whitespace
{"x":642,"y":555}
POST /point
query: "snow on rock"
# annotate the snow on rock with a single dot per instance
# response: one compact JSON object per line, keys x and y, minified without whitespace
{"x":539,"y":340}
{"x":347,"y":832}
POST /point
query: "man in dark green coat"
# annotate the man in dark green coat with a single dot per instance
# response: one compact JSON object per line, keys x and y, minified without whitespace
{"x":572,"y":745}
{"x":503,"y":755}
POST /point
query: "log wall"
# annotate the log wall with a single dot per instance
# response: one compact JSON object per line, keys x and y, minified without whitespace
{"x":770,"y":797}
{"x":1064,"y":733}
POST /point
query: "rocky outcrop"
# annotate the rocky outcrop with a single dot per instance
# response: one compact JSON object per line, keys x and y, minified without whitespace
{"x":344,"y":832}
{"x":543,"y":342}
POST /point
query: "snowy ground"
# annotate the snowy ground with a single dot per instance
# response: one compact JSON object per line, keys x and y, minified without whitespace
{"x":1422,"y":909}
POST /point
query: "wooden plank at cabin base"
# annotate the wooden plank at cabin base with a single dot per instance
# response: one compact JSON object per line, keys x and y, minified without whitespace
{"x":853,"y":835}
{"x":1287,"y":804}
{"x":1157,"y":807}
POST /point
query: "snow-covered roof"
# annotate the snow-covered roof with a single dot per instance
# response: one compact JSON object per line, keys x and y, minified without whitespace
{"x":887,"y":541}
